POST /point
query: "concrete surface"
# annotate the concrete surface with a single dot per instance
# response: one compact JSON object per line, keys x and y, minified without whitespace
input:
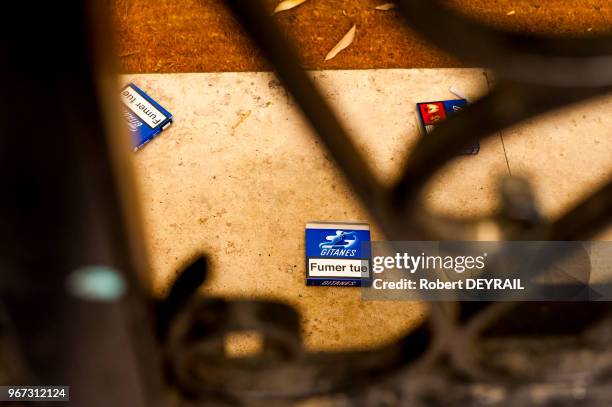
{"x":240,"y":173}
{"x":565,"y":154}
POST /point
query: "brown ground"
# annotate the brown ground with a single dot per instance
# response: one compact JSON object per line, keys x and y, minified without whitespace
{"x":200,"y":35}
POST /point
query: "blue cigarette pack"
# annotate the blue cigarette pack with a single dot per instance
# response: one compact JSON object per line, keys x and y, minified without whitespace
{"x":144,"y":116}
{"x":431,"y":113}
{"x":338,"y":254}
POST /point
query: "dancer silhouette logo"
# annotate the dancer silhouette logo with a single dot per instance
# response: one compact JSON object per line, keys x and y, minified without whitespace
{"x":341,"y":240}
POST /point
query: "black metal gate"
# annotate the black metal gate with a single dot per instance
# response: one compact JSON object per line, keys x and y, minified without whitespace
{"x":510,"y":354}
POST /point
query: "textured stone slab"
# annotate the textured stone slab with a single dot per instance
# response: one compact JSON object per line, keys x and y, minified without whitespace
{"x":240,"y":173}
{"x":565,"y":154}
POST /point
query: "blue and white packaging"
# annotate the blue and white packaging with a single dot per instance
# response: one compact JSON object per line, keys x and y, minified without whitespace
{"x":144,"y":116}
{"x":338,"y":254}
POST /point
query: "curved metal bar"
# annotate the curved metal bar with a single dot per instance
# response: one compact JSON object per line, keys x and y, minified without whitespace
{"x":508,"y":104}
{"x":199,"y":366}
{"x":271,"y":40}
{"x":524,"y":58}
{"x":538,"y":75}
{"x":586,"y":218}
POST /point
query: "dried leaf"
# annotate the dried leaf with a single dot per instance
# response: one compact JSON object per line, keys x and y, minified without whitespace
{"x":386,"y":6}
{"x":128,"y":53}
{"x":287,"y":5}
{"x":243,"y":117}
{"x":344,"y":42}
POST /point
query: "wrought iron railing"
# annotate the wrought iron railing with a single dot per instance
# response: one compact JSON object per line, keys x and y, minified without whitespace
{"x":466,"y":353}
{"x":61,"y":210}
